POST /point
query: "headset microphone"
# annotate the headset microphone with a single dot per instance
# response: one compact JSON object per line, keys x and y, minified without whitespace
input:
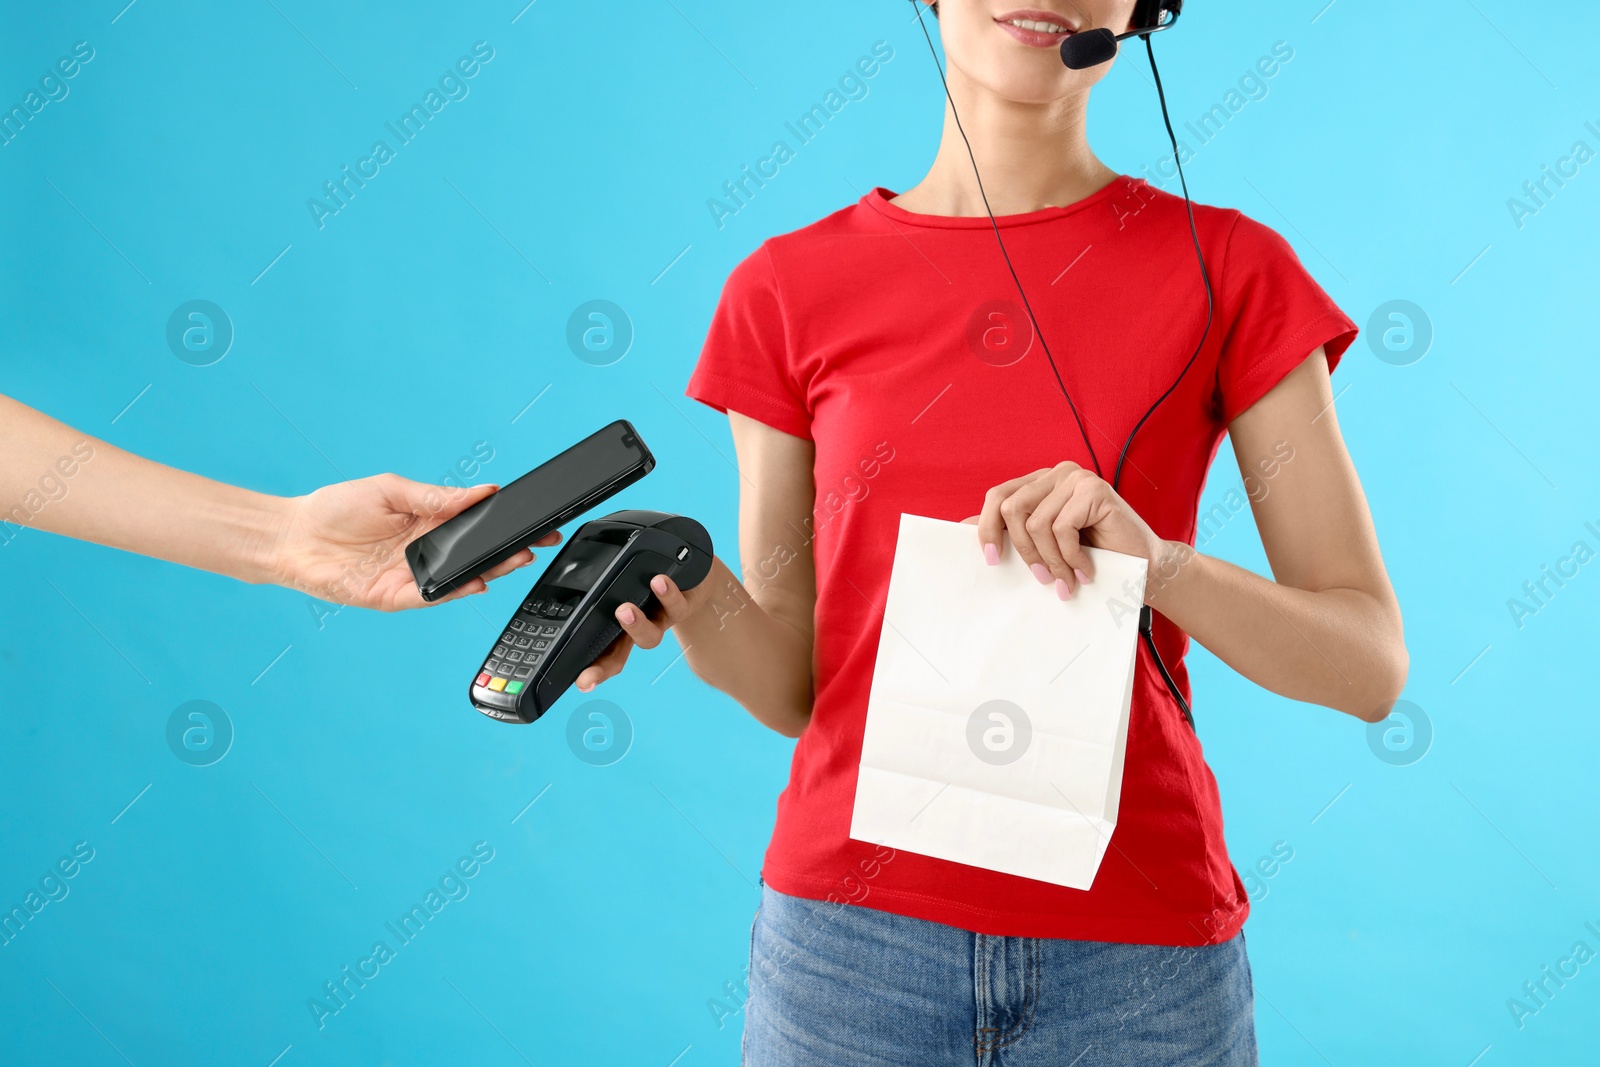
{"x":1090,"y":48}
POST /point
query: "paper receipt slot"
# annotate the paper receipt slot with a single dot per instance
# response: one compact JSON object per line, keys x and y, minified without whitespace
{"x":568,"y":618}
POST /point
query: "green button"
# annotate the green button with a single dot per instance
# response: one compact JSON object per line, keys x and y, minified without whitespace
{"x":513,"y":687}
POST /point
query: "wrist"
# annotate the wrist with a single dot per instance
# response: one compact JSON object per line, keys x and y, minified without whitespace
{"x":1166,"y":564}
{"x":228,"y":530}
{"x":266,"y":556}
{"x":715,"y":602}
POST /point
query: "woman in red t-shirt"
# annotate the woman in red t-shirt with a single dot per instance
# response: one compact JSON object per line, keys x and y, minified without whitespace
{"x":877,"y":363}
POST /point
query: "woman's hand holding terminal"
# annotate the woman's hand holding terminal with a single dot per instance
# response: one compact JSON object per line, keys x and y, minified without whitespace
{"x":639,"y":629}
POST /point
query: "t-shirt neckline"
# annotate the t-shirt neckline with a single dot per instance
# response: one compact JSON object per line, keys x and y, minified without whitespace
{"x":879,"y":200}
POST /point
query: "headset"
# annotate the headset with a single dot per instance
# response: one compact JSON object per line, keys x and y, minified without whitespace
{"x":1088,"y":48}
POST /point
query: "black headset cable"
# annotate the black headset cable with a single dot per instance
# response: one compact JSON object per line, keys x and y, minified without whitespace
{"x":1146,"y":615}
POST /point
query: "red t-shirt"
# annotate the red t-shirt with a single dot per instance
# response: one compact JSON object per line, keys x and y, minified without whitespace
{"x":894,"y":341}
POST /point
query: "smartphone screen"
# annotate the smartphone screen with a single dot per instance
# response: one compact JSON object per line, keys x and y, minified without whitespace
{"x":494,"y":529}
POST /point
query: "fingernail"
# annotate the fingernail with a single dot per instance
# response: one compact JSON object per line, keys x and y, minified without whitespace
{"x":625,"y":613}
{"x":1063,"y":590}
{"x":1083,"y":579}
{"x":1041,"y":572}
{"x":991,"y":555}
{"x":659,"y":583}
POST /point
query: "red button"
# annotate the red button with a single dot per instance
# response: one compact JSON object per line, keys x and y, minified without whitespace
{"x":483,"y":679}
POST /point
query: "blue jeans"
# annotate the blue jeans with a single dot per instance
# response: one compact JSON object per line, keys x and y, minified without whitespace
{"x":849,"y":986}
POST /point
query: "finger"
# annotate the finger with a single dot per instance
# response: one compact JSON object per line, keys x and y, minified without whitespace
{"x":608,"y":665}
{"x":551,"y":538}
{"x":674,"y":605}
{"x":639,"y":626}
{"x":1081,"y":510}
{"x":408,"y":598}
{"x":1015,"y":511}
{"x":521,"y":559}
{"x":991,"y":525}
{"x":1041,"y":528}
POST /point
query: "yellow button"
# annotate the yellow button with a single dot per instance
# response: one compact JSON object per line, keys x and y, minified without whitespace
{"x":498,"y":684}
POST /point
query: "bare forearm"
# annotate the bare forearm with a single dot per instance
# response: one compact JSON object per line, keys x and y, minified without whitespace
{"x":55,"y":478}
{"x":1341,"y":648}
{"x":735,"y":644}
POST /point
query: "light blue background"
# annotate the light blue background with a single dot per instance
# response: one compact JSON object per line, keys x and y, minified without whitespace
{"x":417,"y":323}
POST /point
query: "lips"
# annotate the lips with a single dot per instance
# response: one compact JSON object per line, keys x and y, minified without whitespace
{"x":1038,"y":31}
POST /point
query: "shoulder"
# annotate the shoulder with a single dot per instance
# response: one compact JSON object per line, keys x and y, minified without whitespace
{"x":1224,"y":231}
{"x":1136,"y":200}
{"x":815,"y":239}
{"x":798,"y":251}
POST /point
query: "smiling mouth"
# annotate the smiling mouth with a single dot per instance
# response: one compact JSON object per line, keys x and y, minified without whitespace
{"x":1036,"y":25}
{"x":1037,"y":29}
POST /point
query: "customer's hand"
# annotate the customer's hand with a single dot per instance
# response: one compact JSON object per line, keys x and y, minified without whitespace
{"x":645,"y":631}
{"x":346,"y":543}
{"x":1052,"y":514}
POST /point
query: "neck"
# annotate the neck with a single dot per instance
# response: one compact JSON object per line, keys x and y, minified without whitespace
{"x":1031,"y":156}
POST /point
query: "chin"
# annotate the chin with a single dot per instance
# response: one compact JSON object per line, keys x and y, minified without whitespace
{"x":1030,"y":83}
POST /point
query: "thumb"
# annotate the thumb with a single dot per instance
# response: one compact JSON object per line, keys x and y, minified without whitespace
{"x":441,"y":502}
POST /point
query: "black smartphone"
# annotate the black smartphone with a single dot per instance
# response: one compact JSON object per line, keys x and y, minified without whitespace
{"x":552,"y":494}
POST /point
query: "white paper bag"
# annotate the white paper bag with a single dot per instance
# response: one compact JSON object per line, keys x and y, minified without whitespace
{"x":998,"y":715}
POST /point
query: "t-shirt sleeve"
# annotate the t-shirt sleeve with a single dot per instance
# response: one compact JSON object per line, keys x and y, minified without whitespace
{"x":1274,"y":315}
{"x":745,"y":364}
